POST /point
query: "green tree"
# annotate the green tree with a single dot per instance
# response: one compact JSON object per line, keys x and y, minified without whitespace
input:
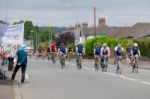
{"x":28,"y":26}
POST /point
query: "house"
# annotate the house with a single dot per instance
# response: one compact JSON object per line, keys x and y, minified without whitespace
{"x":83,"y":33}
{"x":139,"y":30}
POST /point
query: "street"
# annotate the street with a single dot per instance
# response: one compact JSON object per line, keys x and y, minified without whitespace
{"x":49,"y":81}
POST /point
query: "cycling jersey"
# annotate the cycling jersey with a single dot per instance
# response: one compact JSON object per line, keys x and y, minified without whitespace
{"x":135,"y":50}
{"x":119,"y":51}
{"x":80,"y":49}
{"x":63,"y":50}
{"x":97,"y":50}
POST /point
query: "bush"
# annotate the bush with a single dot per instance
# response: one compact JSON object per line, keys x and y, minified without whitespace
{"x":144,"y":45}
{"x":91,"y":43}
{"x":72,"y":46}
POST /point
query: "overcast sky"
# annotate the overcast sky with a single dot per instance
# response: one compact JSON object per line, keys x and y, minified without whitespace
{"x":69,"y":12}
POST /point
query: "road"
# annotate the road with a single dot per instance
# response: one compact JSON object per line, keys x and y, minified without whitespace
{"x":49,"y":81}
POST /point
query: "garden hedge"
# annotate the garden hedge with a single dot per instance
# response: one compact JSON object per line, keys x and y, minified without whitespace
{"x":144,"y":45}
{"x":91,"y":43}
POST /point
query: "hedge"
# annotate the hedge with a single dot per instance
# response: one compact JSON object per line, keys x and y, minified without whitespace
{"x":144,"y":45}
{"x":91,"y":43}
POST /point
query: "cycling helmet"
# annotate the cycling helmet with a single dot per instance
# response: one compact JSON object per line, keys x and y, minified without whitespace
{"x":119,"y":45}
{"x":105,"y":44}
{"x":135,"y":44}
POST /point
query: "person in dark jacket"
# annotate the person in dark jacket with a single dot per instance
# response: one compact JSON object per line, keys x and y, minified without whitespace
{"x":21,"y":62}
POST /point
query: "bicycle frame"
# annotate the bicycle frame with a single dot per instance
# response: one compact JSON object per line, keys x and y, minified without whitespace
{"x":119,"y":67}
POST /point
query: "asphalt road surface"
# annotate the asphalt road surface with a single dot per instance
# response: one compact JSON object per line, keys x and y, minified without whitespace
{"x":49,"y":81}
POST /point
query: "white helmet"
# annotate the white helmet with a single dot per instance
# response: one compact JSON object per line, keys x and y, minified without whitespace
{"x":80,"y":43}
{"x":119,"y":45}
{"x":105,"y":44}
{"x":135,"y":44}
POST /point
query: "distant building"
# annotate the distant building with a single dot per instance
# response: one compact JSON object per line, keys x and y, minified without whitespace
{"x":139,"y":30}
{"x":83,"y":33}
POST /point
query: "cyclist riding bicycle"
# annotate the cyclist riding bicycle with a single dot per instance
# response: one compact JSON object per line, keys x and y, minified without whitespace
{"x":62,"y":54}
{"x":105,"y":53}
{"x":97,"y":50}
{"x":80,"y":51}
{"x":135,"y":52}
{"x":70,"y":50}
{"x":119,"y":51}
{"x":128,"y":55}
{"x":53,"y":50}
{"x":62,"y":50}
{"x":118,"y":58}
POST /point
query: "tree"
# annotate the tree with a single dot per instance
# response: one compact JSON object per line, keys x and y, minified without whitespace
{"x":28,"y":26}
{"x":47,"y":34}
{"x":66,"y":38}
{"x":21,"y":21}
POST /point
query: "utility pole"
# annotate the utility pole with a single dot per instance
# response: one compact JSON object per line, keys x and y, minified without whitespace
{"x":95,"y":21}
{"x":49,"y":35}
{"x":36,"y":41}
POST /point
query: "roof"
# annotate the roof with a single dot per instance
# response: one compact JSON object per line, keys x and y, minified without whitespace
{"x":101,"y":30}
{"x":137,"y":30}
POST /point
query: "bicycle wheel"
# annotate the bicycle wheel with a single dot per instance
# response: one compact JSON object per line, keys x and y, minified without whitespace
{"x":96,"y":64}
{"x":136,"y":67}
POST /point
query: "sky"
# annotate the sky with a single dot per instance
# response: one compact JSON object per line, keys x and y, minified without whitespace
{"x":70,"y":12}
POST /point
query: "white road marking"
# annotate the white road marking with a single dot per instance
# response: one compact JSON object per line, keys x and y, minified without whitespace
{"x":144,"y":82}
{"x":110,"y":73}
{"x":127,"y":78}
{"x":86,"y":68}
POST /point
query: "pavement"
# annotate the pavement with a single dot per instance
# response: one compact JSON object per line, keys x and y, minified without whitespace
{"x":6,"y":89}
{"x":48,"y":81}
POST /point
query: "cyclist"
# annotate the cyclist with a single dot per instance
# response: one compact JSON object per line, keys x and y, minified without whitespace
{"x":119,"y":51}
{"x":48,"y":53}
{"x":97,"y":50}
{"x":62,"y":51}
{"x":80,"y":51}
{"x":119,"y":56}
{"x":105,"y":53}
{"x":135,"y":52}
{"x":70,"y":50}
{"x":53,"y":50}
{"x":128,"y":55}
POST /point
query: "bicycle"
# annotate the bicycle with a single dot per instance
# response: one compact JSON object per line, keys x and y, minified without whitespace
{"x":97,"y":63}
{"x":62,"y":60}
{"x":53,"y":57}
{"x":104,"y":64}
{"x":48,"y":56}
{"x":135,"y":64}
{"x":118,"y":65}
{"x":69,"y":56}
{"x":79,"y":58}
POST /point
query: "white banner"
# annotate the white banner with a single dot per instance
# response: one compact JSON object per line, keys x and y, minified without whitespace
{"x":11,"y":34}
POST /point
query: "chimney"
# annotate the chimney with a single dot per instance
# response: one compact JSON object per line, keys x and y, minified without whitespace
{"x":84,"y":25}
{"x":102,"y":22}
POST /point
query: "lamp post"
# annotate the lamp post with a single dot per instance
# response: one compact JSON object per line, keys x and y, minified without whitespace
{"x":95,"y":21}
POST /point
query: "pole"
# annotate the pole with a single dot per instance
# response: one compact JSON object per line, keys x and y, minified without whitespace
{"x":6,"y":16}
{"x":95,"y":21}
{"x":36,"y":42}
{"x":49,"y":35}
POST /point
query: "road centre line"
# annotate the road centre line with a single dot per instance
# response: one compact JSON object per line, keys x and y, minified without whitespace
{"x":86,"y":68}
{"x":144,"y":82}
{"x":109,"y":73}
{"x":127,"y":78}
